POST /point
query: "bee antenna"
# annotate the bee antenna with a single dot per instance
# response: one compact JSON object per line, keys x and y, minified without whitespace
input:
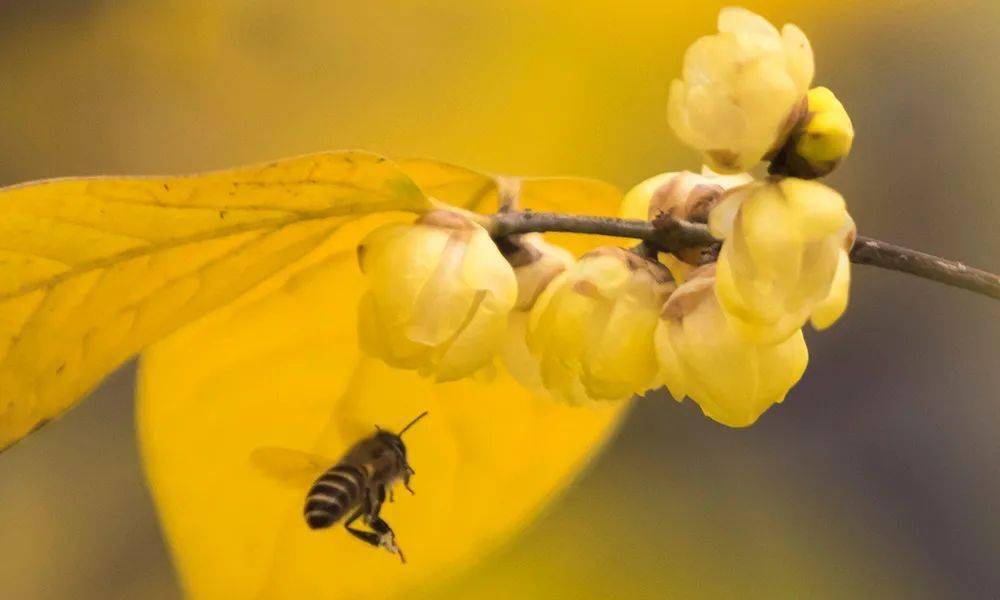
{"x":412,"y":423}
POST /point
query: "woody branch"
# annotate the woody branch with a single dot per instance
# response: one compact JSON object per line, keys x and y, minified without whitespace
{"x":671,"y":235}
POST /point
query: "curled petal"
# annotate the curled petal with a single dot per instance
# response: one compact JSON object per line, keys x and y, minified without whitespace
{"x":826,"y":312}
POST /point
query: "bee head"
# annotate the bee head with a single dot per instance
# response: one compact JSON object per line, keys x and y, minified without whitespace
{"x":393,"y":441}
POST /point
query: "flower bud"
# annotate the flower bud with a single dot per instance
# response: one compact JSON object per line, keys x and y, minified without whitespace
{"x":703,"y":356}
{"x":782,"y":252}
{"x":439,"y":295}
{"x":592,"y":328}
{"x":742,"y":90}
{"x":821,"y":140}
{"x":682,"y":195}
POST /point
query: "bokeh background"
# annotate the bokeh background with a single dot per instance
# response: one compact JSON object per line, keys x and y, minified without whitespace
{"x":878,"y":478}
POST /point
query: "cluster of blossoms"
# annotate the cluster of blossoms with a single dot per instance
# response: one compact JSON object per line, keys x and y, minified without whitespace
{"x":721,"y":325}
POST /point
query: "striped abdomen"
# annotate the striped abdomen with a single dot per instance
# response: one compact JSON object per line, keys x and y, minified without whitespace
{"x":334,"y":493}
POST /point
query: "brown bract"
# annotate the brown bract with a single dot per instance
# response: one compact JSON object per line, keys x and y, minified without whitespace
{"x":518,"y":252}
{"x":686,"y":197}
{"x":700,"y":283}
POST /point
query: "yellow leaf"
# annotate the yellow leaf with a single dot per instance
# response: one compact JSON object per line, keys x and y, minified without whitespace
{"x":471,"y":190}
{"x":455,"y":185}
{"x":279,"y":371}
{"x":281,"y":368}
{"x":475,"y":191}
{"x":94,"y":269}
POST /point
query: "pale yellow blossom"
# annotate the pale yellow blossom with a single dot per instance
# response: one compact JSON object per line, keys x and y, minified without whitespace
{"x":742,"y":90}
{"x":705,"y":357}
{"x":536,"y":264}
{"x":439,"y":295}
{"x":785,"y":241}
{"x":592,"y":328}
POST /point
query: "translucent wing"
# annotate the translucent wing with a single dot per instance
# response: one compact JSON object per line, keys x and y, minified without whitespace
{"x":290,"y":467}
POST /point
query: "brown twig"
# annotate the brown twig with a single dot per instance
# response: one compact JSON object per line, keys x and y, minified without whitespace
{"x":671,"y":235}
{"x":868,"y":251}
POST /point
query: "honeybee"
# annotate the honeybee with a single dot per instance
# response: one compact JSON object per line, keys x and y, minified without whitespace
{"x":360,"y":481}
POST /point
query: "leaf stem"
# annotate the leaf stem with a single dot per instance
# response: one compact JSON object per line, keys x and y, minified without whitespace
{"x":671,"y":235}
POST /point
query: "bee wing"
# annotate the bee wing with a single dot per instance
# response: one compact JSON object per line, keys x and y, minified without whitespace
{"x":290,"y":467}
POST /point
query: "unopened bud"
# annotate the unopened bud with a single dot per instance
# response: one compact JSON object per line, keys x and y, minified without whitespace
{"x":820,"y":140}
{"x":682,"y":195}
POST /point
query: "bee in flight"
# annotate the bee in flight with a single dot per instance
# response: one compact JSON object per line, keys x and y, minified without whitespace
{"x":358,"y":482}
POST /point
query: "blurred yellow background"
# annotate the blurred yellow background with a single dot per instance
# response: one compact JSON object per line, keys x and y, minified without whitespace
{"x":877,"y":478}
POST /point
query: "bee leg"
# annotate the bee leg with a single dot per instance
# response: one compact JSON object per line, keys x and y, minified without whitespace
{"x":387,"y":538}
{"x":373,"y":505}
{"x":407,"y":473}
{"x":372,"y":539}
{"x":381,"y":537}
{"x":368,"y":537}
{"x":357,"y":515}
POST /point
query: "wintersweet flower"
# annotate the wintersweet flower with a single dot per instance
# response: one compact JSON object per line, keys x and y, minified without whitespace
{"x":439,"y":295}
{"x":536,"y":264}
{"x":704,"y":357}
{"x":786,"y":243}
{"x":742,"y":90}
{"x":592,"y":328}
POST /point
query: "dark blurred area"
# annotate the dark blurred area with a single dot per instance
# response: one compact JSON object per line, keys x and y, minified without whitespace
{"x":878,"y":477}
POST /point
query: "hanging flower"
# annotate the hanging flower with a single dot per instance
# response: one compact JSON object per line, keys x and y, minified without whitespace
{"x":703,"y":356}
{"x":439,"y":295}
{"x":536,"y":264}
{"x":592,"y":328}
{"x":742,"y":90}
{"x":785,"y":242}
